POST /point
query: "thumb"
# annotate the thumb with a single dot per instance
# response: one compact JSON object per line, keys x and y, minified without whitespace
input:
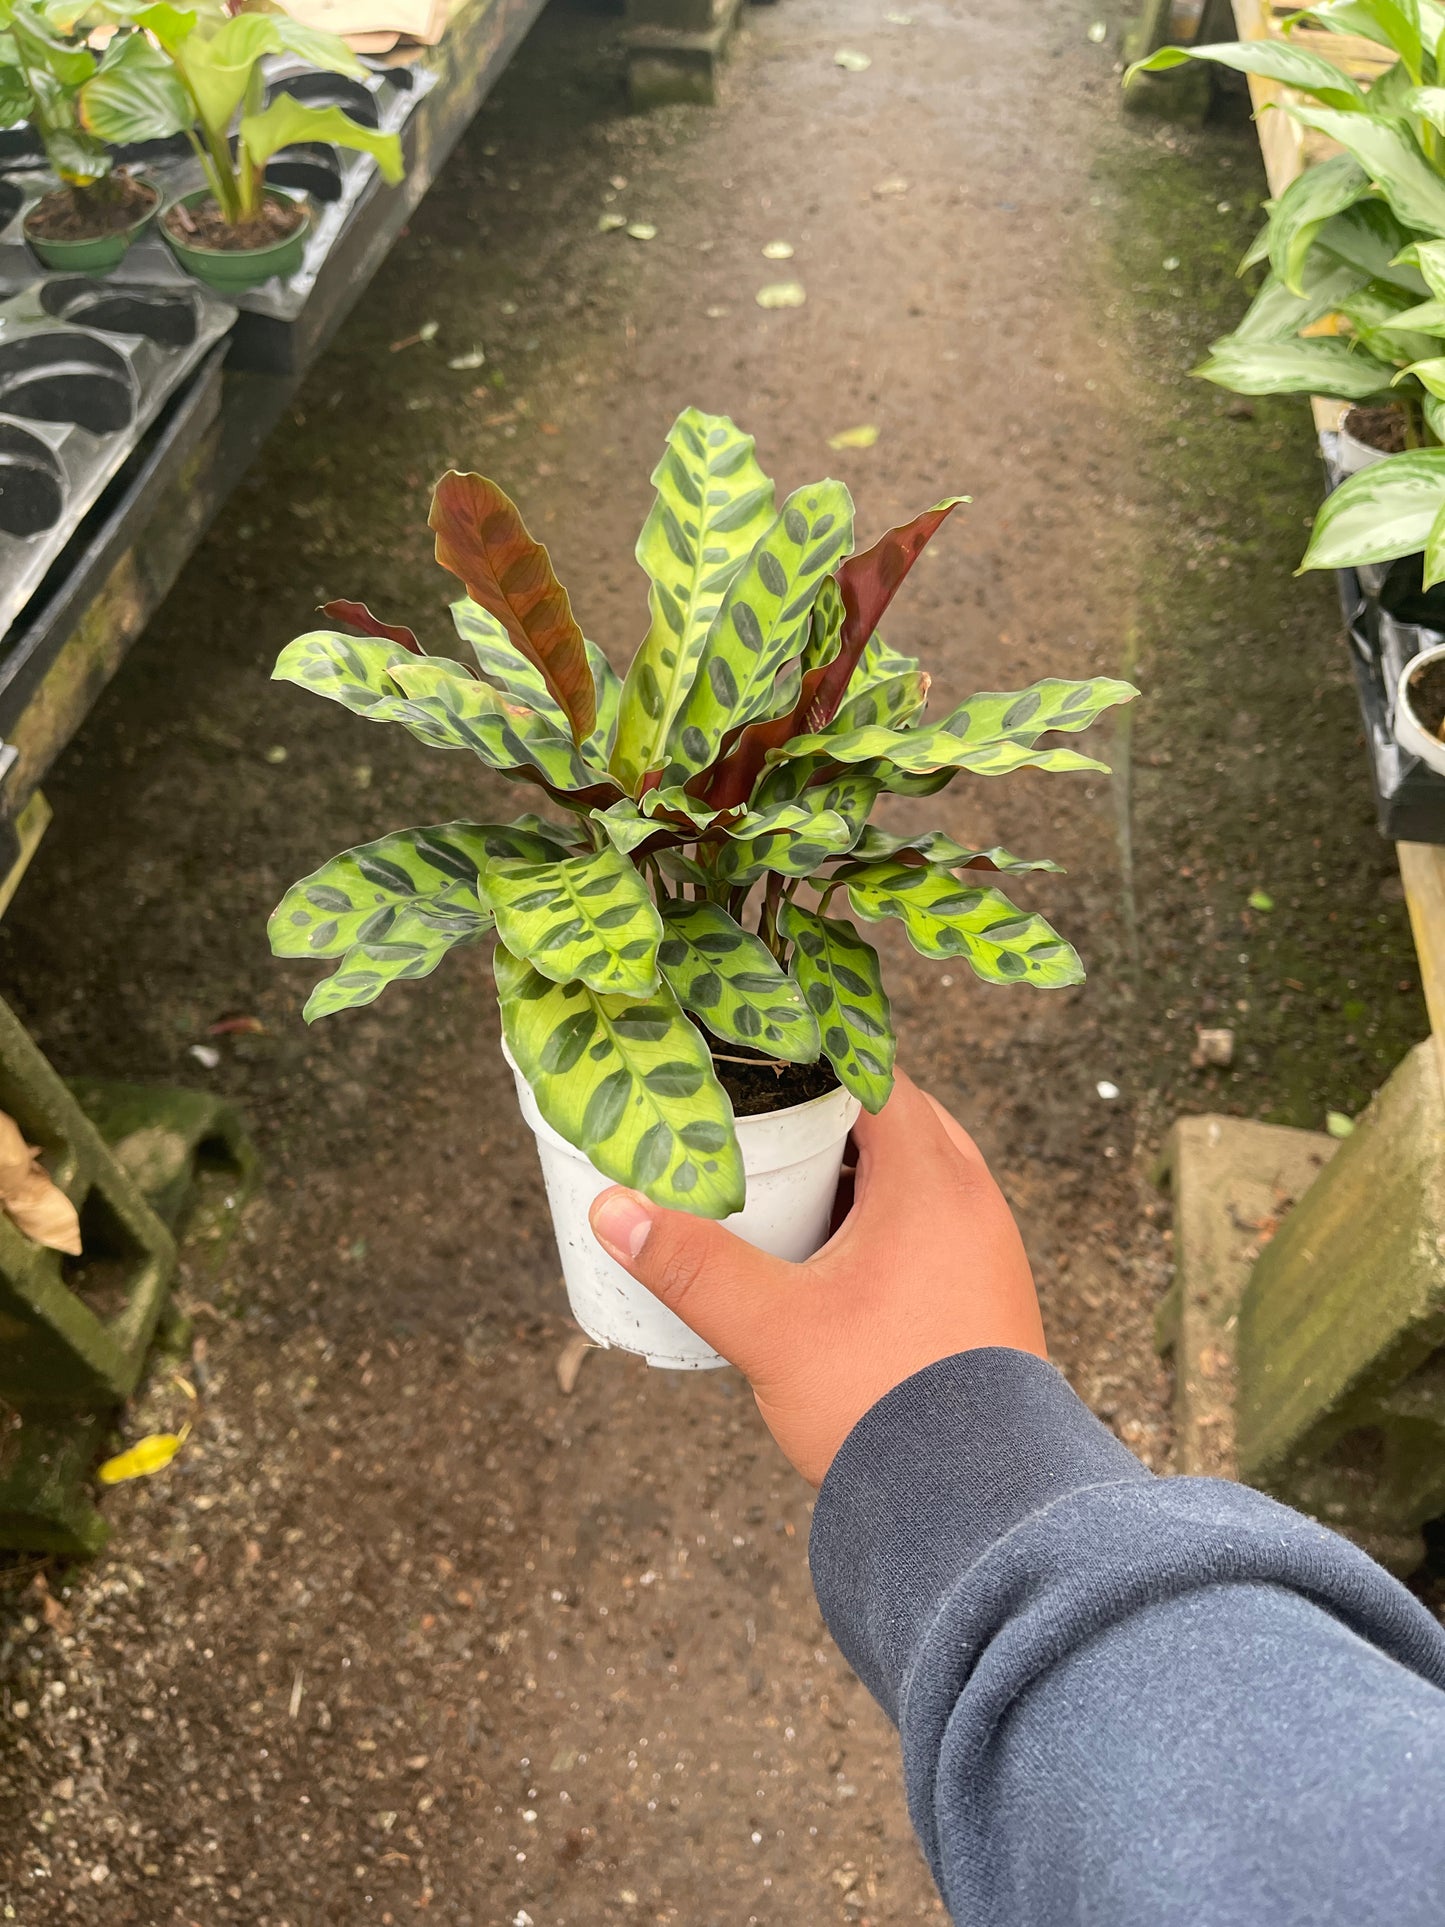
{"x":727,"y":1291}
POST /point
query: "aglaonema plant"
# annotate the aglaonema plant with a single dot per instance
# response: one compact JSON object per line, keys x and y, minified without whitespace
{"x":715,"y":804}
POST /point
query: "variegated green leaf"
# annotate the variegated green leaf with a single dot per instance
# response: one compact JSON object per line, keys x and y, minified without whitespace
{"x":367,"y":968}
{"x":383,"y":891}
{"x":944,"y":917}
{"x":608,"y":688}
{"x":936,"y":848}
{"x":630,"y":1083}
{"x":591,"y":918}
{"x":713,"y":503}
{"x":625,"y":825}
{"x":825,"y":626}
{"x":893,"y":701}
{"x":763,"y":622}
{"x":504,"y":733}
{"x":730,"y":979}
{"x":788,"y":848}
{"x":990,"y":734}
{"x":355,"y":671}
{"x":502,"y":662}
{"x":672,"y":799}
{"x":839,"y":975}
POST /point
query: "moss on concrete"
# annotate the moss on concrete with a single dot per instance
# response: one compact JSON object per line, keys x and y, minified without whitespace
{"x":1249,"y":772}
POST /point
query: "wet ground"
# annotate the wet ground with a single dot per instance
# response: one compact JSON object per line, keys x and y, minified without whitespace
{"x":406,"y":1629}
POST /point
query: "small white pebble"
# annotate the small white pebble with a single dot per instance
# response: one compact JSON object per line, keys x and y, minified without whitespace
{"x":1107,"y":1091}
{"x":529,"y":1817}
{"x":206,"y":1055}
{"x":757,"y":1839}
{"x":1171,"y":262}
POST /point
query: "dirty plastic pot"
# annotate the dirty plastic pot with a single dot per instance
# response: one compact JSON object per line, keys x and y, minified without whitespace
{"x":1410,"y":732}
{"x":97,"y":256}
{"x":792,"y":1159}
{"x":1352,"y":454}
{"x":232,"y":269}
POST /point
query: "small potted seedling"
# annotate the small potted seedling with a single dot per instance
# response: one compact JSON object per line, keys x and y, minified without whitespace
{"x":192,"y":72}
{"x":684,"y":1008}
{"x":86,"y":223}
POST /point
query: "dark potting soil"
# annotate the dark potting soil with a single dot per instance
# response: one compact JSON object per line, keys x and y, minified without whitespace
{"x":1427,"y":697}
{"x":206,"y":227}
{"x":90,"y":213}
{"x":758,"y":1084}
{"x":1382,"y":428}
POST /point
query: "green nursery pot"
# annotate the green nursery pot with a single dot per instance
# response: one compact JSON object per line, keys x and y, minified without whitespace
{"x":99,"y":256}
{"x":232,"y":269}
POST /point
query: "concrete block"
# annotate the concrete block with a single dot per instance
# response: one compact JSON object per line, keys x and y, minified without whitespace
{"x":670,"y":60}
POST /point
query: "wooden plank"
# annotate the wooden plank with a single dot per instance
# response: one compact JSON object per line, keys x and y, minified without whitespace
{"x":31,"y":824}
{"x":1422,"y":869}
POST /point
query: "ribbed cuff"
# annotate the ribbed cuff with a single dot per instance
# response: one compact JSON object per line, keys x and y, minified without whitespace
{"x":940,"y":1469}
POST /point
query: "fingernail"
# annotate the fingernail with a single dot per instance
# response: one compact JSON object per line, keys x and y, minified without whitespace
{"x":622,"y":1221}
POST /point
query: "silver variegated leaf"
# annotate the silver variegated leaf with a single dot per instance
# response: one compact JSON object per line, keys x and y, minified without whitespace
{"x":590,"y":918}
{"x":763,"y":622}
{"x":944,"y":917}
{"x":713,"y":502}
{"x":630,"y":1083}
{"x":504,"y":733}
{"x":838,"y":973}
{"x":422,"y":880}
{"x":729,"y":978}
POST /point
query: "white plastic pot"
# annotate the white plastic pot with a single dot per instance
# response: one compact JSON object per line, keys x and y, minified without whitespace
{"x":1412,"y":737}
{"x":792,"y":1159}
{"x":1350,"y":453}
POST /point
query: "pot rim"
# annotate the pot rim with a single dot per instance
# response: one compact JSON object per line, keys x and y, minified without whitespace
{"x":225,"y":254}
{"x":1410,"y":732}
{"x":90,"y":240}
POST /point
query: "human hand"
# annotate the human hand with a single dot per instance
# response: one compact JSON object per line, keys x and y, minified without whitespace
{"x":928,"y":1262}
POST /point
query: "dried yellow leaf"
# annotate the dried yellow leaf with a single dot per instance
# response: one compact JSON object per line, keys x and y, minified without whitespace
{"x":143,"y":1458}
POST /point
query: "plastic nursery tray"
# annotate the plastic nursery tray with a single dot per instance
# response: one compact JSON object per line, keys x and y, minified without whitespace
{"x":85,"y":367}
{"x":1409,"y":796}
{"x":336,"y":181}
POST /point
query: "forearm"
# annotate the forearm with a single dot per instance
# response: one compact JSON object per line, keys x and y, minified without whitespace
{"x":1036,"y":1611}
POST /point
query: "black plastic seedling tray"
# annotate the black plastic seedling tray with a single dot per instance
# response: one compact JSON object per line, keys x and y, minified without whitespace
{"x":274,"y":330}
{"x":85,"y":368}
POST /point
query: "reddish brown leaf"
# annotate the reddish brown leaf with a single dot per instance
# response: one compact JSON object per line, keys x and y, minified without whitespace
{"x":356,"y":615}
{"x":481,"y":538}
{"x":869,"y":583}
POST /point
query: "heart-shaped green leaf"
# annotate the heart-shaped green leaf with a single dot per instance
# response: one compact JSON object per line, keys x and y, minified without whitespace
{"x":588,"y":918}
{"x":630,"y":1083}
{"x":838,"y":973}
{"x":731,"y":980}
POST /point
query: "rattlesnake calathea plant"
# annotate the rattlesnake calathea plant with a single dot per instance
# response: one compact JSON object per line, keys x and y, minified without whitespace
{"x":655,"y":917}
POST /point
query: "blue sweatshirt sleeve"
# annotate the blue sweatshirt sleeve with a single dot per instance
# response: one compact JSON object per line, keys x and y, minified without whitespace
{"x":1127,"y":1701}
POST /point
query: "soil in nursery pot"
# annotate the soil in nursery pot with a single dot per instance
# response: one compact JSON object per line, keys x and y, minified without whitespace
{"x":69,"y":214}
{"x":207,"y":227}
{"x":1427,"y":697}
{"x":1382,"y":428}
{"x":756,"y":1084}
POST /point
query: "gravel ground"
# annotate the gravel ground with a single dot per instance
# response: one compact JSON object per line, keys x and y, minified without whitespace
{"x":406,"y":1628}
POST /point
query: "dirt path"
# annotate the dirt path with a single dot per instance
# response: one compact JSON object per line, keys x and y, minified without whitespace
{"x":405,"y":1630}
